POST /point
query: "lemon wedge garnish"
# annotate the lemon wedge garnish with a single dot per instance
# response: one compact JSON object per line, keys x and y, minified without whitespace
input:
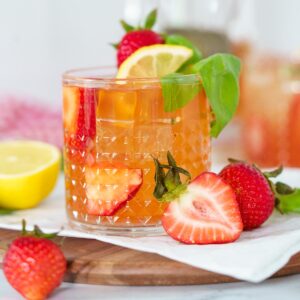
{"x":28,"y":172}
{"x":154,"y":61}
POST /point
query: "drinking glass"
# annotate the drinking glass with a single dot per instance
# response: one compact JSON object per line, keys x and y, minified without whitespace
{"x":112,"y":129}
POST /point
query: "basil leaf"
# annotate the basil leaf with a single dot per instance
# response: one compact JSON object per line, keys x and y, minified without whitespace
{"x":176,"y":39}
{"x":289,"y":203}
{"x":219,"y":74}
{"x":151,"y":19}
{"x":178,"y":90}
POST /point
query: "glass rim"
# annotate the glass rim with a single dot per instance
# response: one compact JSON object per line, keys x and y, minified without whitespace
{"x":76,"y":75}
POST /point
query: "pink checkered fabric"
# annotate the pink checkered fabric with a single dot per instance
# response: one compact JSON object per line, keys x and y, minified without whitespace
{"x":26,"y":119}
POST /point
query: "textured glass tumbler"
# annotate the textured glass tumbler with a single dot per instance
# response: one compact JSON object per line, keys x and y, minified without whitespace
{"x":112,"y":130}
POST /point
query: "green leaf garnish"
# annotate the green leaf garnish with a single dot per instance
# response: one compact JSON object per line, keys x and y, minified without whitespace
{"x":150,"y":19}
{"x":220,"y":78}
{"x":176,"y":39}
{"x":219,"y":75}
{"x":178,"y":90}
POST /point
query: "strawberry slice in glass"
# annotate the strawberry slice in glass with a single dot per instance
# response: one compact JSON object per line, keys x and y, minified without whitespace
{"x":109,"y":186}
{"x":79,"y":121}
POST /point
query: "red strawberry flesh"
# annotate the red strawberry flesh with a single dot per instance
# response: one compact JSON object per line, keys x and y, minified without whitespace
{"x":79,"y":121}
{"x":109,"y":186}
{"x":206,"y":214}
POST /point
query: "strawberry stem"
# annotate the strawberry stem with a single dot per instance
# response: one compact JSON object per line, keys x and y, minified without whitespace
{"x":169,"y":185}
{"x":24,"y":232}
{"x":37,"y":232}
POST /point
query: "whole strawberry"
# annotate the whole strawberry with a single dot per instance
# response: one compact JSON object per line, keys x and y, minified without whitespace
{"x":253,"y":193}
{"x":136,"y":38}
{"x":34,"y":265}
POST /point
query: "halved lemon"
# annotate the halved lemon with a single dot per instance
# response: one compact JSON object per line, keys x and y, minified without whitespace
{"x":154,"y":61}
{"x":28,"y":172}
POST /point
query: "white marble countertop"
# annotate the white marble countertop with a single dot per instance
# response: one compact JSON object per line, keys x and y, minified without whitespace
{"x":273,"y":289}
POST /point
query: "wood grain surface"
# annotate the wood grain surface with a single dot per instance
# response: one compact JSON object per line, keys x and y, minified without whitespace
{"x":94,"y":262}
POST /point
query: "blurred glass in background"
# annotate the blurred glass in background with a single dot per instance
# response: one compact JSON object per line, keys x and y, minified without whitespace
{"x":270,"y":85}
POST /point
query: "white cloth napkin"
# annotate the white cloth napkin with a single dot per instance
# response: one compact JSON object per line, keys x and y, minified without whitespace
{"x":254,"y":257}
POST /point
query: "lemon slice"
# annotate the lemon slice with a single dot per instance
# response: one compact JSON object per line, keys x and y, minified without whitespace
{"x":28,"y":172}
{"x":154,"y":61}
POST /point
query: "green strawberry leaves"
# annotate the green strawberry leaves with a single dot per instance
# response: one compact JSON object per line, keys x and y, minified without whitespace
{"x":168,"y":185}
{"x":127,"y":27}
{"x":274,"y":173}
{"x":150,"y":19}
{"x":37,"y":232}
{"x":149,"y":22}
{"x":287,"y":199}
{"x":288,"y":202}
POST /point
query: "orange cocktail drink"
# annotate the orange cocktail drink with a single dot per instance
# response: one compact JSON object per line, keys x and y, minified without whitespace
{"x":113,"y":129}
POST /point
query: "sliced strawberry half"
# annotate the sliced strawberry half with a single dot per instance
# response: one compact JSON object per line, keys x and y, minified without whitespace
{"x":71,"y":103}
{"x":206,"y":213}
{"x":109,"y":186}
{"x":80,"y":115}
{"x":79,"y":122}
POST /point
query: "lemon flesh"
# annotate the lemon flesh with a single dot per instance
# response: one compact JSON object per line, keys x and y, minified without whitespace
{"x":154,"y":61}
{"x":28,"y":173}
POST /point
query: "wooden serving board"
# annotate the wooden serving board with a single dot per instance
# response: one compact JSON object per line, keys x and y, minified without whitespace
{"x":94,"y":262}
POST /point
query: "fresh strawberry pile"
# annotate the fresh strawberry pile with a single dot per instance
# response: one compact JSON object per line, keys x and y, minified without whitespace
{"x":34,"y":265}
{"x":216,"y":208}
{"x":137,"y":37}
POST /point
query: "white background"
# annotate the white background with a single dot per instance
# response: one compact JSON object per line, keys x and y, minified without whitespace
{"x":42,"y":38}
